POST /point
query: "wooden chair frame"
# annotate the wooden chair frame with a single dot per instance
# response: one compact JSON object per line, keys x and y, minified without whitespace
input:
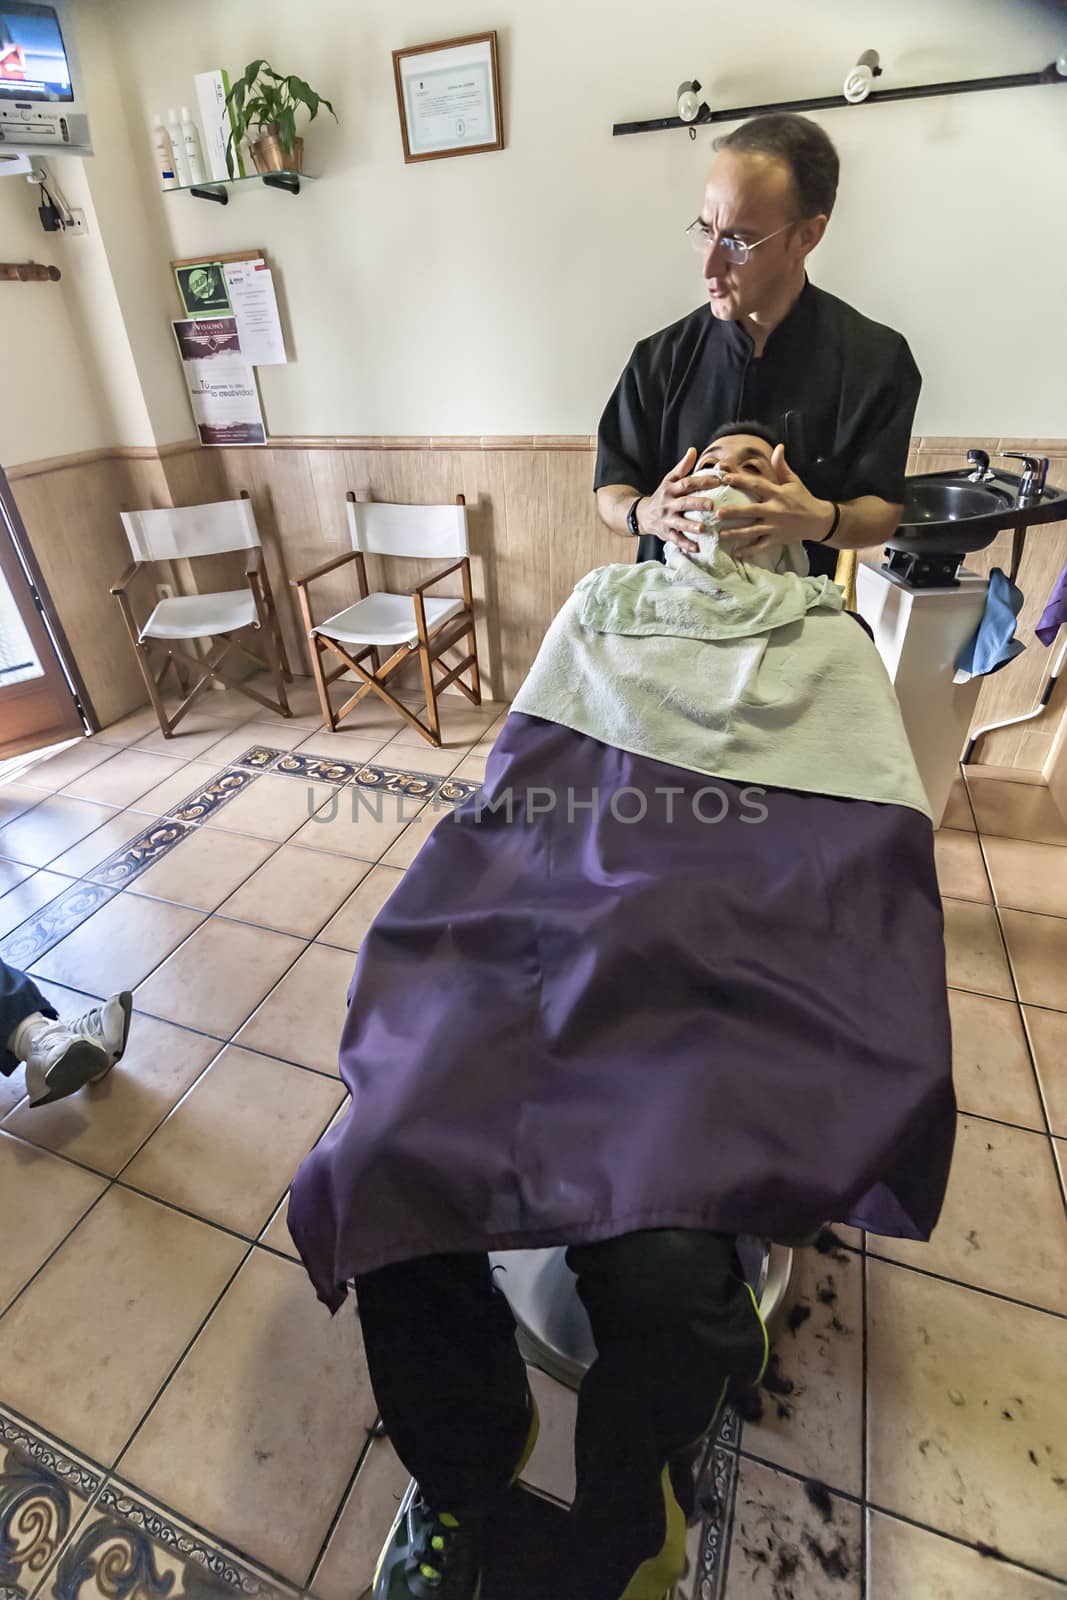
{"x":429,"y":646}
{"x":209,"y":668}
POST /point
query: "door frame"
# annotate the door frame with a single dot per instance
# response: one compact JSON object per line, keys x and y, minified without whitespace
{"x":13,"y":532}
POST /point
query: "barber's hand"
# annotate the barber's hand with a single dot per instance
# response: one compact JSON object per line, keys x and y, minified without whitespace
{"x":785,"y":511}
{"x":663,"y":513}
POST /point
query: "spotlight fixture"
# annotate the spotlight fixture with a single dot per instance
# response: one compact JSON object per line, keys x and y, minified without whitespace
{"x":860,"y":80}
{"x":690,"y":107}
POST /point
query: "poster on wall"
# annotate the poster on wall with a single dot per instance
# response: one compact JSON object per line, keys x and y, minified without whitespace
{"x":221,"y":383}
{"x":449,"y":97}
{"x":242,"y":284}
{"x":203,"y":289}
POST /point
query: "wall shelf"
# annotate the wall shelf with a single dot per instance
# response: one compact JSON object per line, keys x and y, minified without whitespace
{"x":827,"y":102}
{"x":218,"y":189}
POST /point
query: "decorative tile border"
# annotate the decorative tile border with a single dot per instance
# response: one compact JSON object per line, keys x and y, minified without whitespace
{"x":53,"y":922}
{"x":44,"y":1493}
{"x":716,"y":1490}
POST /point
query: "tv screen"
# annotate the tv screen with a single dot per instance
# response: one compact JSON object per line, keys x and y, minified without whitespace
{"x":33,"y":60}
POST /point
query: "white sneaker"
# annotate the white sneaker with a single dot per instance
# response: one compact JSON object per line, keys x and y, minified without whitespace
{"x":65,"y":1056}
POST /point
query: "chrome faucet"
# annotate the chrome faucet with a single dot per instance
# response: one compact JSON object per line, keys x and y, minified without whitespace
{"x":980,"y":462}
{"x":1033,"y":479}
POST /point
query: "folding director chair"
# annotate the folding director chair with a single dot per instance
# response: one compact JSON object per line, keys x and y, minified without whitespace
{"x":181,"y":533}
{"x":401,"y":623}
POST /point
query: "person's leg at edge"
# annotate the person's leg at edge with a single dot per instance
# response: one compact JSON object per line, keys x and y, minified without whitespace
{"x":673,"y":1322}
{"x":21,"y":1002}
{"x":451,"y":1388}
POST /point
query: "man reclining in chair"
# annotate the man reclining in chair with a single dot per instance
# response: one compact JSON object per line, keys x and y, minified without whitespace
{"x":676,"y":974}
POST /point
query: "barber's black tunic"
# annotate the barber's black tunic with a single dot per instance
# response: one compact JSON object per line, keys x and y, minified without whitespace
{"x":840,"y":389}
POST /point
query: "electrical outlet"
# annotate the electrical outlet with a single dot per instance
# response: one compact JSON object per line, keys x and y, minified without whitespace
{"x":77,"y":223}
{"x":164,"y":591}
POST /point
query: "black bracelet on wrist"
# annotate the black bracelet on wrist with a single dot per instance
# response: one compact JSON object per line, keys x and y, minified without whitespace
{"x":631,"y":517}
{"x":833,"y":525}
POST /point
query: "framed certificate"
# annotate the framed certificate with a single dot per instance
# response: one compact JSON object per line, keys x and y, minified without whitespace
{"x":448,"y":95}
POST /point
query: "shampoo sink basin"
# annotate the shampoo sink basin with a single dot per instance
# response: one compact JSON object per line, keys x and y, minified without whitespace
{"x":949,"y":514}
{"x":943,"y":502}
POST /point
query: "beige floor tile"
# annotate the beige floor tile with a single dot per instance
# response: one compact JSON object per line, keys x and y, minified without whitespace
{"x":362,"y":823}
{"x":118,"y":945}
{"x":41,"y":1198}
{"x":167,"y":798}
{"x":1027,"y":876}
{"x":403,"y":851}
{"x":229,"y":1148}
{"x":347,"y":1567}
{"x":195,"y":733}
{"x":276,"y":1235}
{"x":461,"y":726}
{"x":960,"y":868}
{"x":296,"y":891}
{"x":908,"y":1563}
{"x":108,"y":1317}
{"x":29,"y":896}
{"x":303,"y":1017}
{"x":974,"y":950}
{"x":341,"y":746}
{"x":272,"y":807}
{"x":55,"y":772}
{"x":1017,"y":811}
{"x":104,"y":1125}
{"x":472,"y":767}
{"x":402,"y":755}
{"x":1048,"y":1040}
{"x":129,"y":729}
{"x":39,"y":835}
{"x":271,"y":735}
{"x":12,"y":873}
{"x":958,"y":810}
{"x":302,"y":695}
{"x":783,"y":1545}
{"x":124,"y":778}
{"x":83,"y":858}
{"x":551,"y":1467}
{"x":218,"y":977}
{"x":205,"y":868}
{"x":16,"y":799}
{"x":1038,"y":950}
{"x":990,"y":1062}
{"x":962,"y":1387}
{"x":349,"y":927}
{"x":1003,"y":1226}
{"x":979,"y":769}
{"x":817,"y":1430}
{"x":259,"y":1431}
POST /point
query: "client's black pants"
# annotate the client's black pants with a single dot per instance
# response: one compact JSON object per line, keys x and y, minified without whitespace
{"x":672,"y":1320}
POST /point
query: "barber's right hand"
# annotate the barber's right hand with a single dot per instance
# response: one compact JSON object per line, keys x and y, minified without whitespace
{"x":663,"y":513}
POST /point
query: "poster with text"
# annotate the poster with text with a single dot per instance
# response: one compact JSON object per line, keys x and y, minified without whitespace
{"x":221,"y":383}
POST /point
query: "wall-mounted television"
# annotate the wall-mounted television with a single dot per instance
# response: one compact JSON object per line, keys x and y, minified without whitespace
{"x":42,"y":96}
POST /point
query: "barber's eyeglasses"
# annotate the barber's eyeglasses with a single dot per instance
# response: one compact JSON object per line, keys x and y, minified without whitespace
{"x":703,"y":239}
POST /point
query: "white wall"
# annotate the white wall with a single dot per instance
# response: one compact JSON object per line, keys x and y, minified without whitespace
{"x":50,"y":400}
{"x":502,"y":293}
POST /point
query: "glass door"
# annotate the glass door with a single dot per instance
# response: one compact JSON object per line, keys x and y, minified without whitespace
{"x":39,"y":704}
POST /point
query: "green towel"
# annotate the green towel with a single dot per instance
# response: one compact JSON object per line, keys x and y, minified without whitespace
{"x":746,"y":670}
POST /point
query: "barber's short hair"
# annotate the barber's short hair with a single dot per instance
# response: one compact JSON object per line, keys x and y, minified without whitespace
{"x":807,"y":151}
{"x":758,"y":430}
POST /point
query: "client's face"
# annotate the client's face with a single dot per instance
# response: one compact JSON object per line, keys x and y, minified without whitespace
{"x":742,"y":453}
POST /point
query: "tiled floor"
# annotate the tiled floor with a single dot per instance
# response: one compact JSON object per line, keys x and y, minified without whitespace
{"x":178,"y":1415}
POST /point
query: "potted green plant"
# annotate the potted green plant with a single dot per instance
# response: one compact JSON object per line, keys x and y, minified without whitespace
{"x":268,"y":101}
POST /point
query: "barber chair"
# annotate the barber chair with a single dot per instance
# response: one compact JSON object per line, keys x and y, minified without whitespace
{"x":553,"y":1330}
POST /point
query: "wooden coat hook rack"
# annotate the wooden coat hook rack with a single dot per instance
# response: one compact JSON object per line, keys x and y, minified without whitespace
{"x":27,"y":272}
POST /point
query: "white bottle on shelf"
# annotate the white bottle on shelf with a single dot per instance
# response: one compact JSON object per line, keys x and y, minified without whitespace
{"x":177,"y":144}
{"x":194,"y":155}
{"x":164,"y":154}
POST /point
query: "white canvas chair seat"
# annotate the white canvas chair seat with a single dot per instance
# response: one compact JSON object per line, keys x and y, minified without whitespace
{"x":184,"y":533}
{"x":200,"y":616}
{"x":386,"y":619}
{"x":406,"y":626}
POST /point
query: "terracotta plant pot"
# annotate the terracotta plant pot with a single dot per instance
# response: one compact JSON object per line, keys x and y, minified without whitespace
{"x":270,"y":155}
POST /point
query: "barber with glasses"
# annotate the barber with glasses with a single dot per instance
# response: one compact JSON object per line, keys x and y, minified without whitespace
{"x":837,"y":390}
